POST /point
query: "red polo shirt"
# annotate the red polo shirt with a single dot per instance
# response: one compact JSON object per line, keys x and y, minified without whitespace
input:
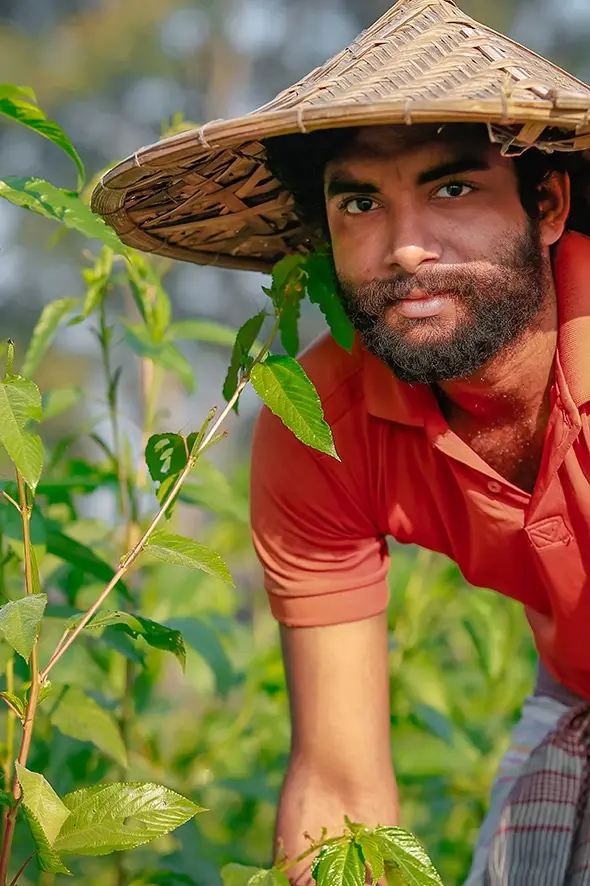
{"x":320,"y":526}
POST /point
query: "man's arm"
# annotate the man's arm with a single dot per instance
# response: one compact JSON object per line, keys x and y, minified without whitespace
{"x":340,"y":761}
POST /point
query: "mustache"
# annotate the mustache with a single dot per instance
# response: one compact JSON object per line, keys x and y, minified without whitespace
{"x":466,"y":281}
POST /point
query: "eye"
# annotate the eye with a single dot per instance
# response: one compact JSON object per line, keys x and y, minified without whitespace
{"x":358,"y":205}
{"x":454,"y":190}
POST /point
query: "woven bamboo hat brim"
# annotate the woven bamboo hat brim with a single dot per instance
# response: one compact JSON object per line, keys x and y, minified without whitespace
{"x":206,"y":195}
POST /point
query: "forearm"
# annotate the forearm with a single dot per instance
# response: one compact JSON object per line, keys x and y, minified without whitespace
{"x":312,"y":800}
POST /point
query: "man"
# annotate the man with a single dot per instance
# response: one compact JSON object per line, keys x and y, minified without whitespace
{"x":461,"y":415}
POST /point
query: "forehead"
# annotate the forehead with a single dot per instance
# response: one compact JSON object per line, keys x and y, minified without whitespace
{"x":393,"y":141}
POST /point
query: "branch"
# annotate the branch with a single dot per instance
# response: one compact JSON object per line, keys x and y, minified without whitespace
{"x":137,"y":549}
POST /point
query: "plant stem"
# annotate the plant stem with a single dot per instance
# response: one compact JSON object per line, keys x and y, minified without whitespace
{"x":132,"y":556}
{"x":10,"y":499}
{"x":21,"y":870}
{"x":29,"y":721}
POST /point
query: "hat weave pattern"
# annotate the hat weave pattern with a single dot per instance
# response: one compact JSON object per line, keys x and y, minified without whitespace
{"x":206,"y":195}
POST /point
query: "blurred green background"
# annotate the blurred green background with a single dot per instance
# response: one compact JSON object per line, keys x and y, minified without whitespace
{"x":113,"y":73}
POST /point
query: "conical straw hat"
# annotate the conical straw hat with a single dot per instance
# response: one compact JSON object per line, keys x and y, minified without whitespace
{"x":206,"y":195}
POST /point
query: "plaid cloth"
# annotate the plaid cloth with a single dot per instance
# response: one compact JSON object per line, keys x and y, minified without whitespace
{"x":543,"y":835}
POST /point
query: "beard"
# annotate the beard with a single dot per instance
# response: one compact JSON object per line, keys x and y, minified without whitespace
{"x":496,"y":302}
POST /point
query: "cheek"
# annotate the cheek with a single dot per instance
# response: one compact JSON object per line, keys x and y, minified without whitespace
{"x":357,"y":251}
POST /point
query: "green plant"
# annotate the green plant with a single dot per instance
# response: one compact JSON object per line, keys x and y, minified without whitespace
{"x":62,"y":603}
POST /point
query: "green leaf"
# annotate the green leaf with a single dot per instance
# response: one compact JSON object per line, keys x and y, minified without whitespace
{"x":20,"y":621}
{"x":182,"y":551}
{"x":20,"y":402}
{"x":322,"y":290}
{"x":289,"y":323}
{"x":79,"y":716}
{"x":45,"y":814}
{"x":164,"y":353}
{"x":15,"y":107}
{"x":204,"y":640}
{"x":109,"y":818}
{"x":402,"y":849}
{"x":340,"y":864}
{"x":155,"y":635}
{"x":59,"y":400}
{"x":62,"y":206}
{"x":285,"y":271}
{"x":78,"y":555}
{"x":203,"y":330}
{"x":245,"y":875}
{"x":11,"y":91}
{"x":16,"y":702}
{"x":166,"y":455}
{"x":245,"y":339}
{"x":371,"y":849}
{"x":47,"y":858}
{"x":287,"y":391}
{"x":40,"y":799}
{"x":51,"y":318}
{"x":97,"y":281}
{"x":150,"y":296}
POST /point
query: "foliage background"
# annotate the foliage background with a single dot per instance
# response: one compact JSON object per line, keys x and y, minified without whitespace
{"x":461,"y":661}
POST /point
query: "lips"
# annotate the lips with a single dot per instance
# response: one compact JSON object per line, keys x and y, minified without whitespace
{"x":419,"y":304}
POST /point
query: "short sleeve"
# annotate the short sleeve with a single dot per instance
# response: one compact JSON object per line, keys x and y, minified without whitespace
{"x":314,"y":528}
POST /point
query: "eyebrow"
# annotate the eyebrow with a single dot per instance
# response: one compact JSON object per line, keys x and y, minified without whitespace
{"x":340,"y":183}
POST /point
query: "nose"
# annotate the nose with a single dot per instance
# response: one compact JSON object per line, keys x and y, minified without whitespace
{"x":409,"y":245}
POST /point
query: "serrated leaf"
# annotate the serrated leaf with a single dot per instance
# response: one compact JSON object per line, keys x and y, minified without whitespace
{"x":47,"y":858}
{"x":322,"y":290}
{"x":371,"y":849}
{"x":20,"y":621}
{"x":45,"y":814}
{"x":61,"y":206}
{"x":59,"y":400}
{"x":209,"y":331}
{"x":287,"y":391}
{"x":40,"y":799}
{"x":20,"y":402}
{"x":15,"y":702}
{"x":155,"y":635}
{"x":246,"y":875}
{"x":283,"y":272}
{"x":21,"y":111}
{"x":164,"y":353}
{"x":49,"y":322}
{"x":80,"y":556}
{"x":109,"y":818}
{"x":403,"y":849}
{"x":79,"y":716}
{"x":245,"y":339}
{"x":180,"y":551}
{"x":339,"y":865}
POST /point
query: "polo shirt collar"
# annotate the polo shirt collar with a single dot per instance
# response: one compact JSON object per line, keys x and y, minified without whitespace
{"x":388,"y":398}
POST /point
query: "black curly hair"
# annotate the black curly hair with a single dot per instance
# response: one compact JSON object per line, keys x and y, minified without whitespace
{"x":298,"y":162}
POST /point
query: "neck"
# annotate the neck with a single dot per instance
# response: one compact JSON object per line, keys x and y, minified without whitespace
{"x":515,"y":383}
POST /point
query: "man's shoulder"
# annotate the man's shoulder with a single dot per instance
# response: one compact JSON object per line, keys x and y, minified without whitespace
{"x":336,"y":374}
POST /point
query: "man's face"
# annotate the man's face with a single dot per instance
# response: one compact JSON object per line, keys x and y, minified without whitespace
{"x":440,"y":268}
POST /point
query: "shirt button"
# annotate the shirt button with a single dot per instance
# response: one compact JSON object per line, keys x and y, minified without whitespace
{"x":494,"y":487}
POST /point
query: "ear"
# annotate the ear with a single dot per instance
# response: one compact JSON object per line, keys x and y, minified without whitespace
{"x":554,"y":206}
